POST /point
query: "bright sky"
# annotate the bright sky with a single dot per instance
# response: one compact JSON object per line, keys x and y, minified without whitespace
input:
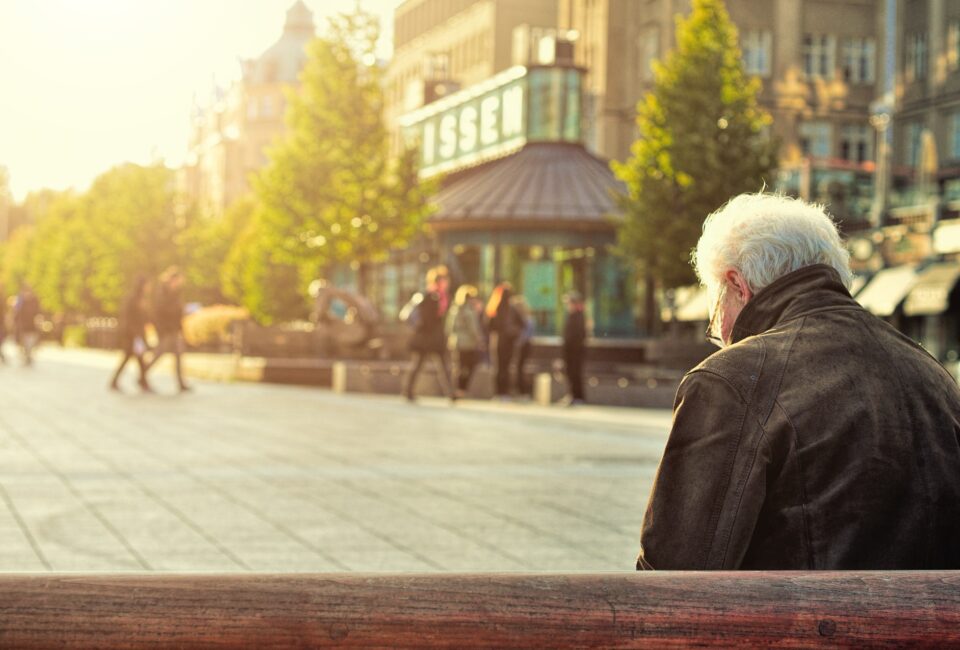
{"x":88,"y":84}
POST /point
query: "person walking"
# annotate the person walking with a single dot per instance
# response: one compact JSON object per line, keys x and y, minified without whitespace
{"x":574,"y":347}
{"x":25,"y":312}
{"x":168,"y":320}
{"x":132,"y":334}
{"x":465,"y":336}
{"x":425,"y":312}
{"x":524,"y":344}
{"x":506,"y":325}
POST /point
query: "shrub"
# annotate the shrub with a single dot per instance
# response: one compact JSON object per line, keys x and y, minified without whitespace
{"x":210,"y":326}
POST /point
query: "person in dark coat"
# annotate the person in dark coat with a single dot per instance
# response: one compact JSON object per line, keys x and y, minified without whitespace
{"x":426,"y":313}
{"x":504,"y":322}
{"x":168,"y":321}
{"x":524,"y":344}
{"x":131,"y":332}
{"x":818,"y":437}
{"x":25,"y":313}
{"x":574,"y":347}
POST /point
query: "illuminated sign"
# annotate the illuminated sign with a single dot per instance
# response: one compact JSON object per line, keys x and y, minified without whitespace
{"x":496,"y":117}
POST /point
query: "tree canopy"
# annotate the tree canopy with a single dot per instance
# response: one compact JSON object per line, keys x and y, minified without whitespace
{"x":80,"y":252}
{"x":331,"y":193}
{"x":702,"y":140}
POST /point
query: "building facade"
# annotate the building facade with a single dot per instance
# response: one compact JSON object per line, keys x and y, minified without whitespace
{"x":818,"y":61}
{"x":911,"y":259}
{"x":441,"y":46}
{"x":230,"y":133}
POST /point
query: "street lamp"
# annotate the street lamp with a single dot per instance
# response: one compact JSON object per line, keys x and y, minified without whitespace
{"x":881,"y":120}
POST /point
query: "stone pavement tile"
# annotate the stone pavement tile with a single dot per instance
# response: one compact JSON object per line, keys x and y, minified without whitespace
{"x":255,"y":477}
{"x":16,"y":551}
{"x":160,"y":537}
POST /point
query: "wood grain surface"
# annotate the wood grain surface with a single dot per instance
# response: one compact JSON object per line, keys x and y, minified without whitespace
{"x":622,"y":610}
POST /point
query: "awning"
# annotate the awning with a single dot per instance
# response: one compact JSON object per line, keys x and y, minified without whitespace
{"x":857,"y":284}
{"x":887,"y":289}
{"x":931,"y":294}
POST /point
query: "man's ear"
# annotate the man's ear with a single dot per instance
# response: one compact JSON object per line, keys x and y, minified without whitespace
{"x":739,"y":285}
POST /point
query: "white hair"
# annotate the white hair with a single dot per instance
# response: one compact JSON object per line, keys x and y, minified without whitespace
{"x":765,"y":236}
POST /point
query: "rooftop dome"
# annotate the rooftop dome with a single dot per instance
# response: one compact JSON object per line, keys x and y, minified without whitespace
{"x":299,"y":19}
{"x":282,"y":61}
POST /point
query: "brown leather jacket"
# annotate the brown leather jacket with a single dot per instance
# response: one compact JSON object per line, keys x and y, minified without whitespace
{"x":822,"y":438}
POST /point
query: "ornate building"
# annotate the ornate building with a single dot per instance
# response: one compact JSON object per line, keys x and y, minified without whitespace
{"x":818,"y":61}
{"x":231,"y":132}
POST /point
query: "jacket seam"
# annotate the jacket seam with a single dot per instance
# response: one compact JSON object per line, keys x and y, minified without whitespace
{"x":783,"y":370}
{"x":760,"y":421}
{"x":722,"y":378}
{"x":807,"y":532}
{"x":740,"y":484}
{"x":721,"y":539}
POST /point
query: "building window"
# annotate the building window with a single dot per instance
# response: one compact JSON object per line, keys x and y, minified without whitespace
{"x":859,"y":60}
{"x":266,"y":107}
{"x":252,"y":109}
{"x":819,"y":56}
{"x":649,"y":51}
{"x":953,"y":46}
{"x":816,"y":139}
{"x":855,"y":143}
{"x":756,"y":47}
{"x":955,"y":135}
{"x":911,"y":151}
{"x":915,"y":68}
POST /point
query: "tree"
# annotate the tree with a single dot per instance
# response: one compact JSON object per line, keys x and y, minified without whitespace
{"x":133,"y":228}
{"x":331,"y":193}
{"x":702,"y":141}
{"x":253,"y":276}
{"x":204,"y":246}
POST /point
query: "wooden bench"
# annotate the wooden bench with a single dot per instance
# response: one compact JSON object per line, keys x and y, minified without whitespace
{"x":826,"y":609}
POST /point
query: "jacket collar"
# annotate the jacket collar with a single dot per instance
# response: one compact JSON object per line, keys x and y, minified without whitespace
{"x":795,"y":294}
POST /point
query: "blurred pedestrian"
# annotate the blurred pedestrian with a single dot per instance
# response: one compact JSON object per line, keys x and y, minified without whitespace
{"x":132,"y":333}
{"x":524,"y":344}
{"x":25,"y":312}
{"x":574,"y":347}
{"x":505,"y":323}
{"x":465,"y":336}
{"x":168,"y":321}
{"x":425,"y":312}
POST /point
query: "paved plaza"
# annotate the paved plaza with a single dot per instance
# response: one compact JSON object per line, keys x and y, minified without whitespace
{"x":254,"y":477}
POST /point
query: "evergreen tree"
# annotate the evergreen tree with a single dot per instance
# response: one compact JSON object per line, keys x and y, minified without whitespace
{"x":331,"y":194}
{"x":702,"y":141}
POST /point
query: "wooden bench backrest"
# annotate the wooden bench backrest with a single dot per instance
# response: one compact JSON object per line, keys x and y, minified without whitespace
{"x":491,"y":610}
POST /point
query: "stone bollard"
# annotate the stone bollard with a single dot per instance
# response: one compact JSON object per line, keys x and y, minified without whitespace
{"x":543,"y":389}
{"x":339,"y":378}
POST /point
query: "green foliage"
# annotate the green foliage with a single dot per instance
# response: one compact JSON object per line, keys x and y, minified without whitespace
{"x":204,"y":246}
{"x":702,"y":141}
{"x":82,"y":251}
{"x":254,"y":276}
{"x":331,"y":194}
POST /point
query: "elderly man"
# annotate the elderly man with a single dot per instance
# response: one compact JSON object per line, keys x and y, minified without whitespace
{"x":818,"y":437}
